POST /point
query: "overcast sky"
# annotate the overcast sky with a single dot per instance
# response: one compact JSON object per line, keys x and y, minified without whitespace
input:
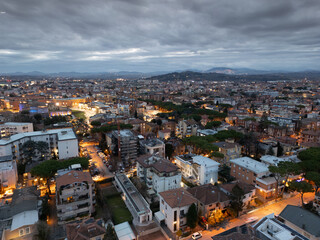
{"x":155,"y":35}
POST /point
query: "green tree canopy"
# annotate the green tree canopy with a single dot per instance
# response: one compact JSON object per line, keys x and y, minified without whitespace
{"x":301,"y":187}
{"x":213,"y":124}
{"x":192,"y":216}
{"x":237,"y":196}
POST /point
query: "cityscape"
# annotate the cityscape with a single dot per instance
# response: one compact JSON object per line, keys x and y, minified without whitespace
{"x":145,"y":120}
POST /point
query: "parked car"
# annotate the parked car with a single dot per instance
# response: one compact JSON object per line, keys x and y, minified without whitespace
{"x":196,"y":235}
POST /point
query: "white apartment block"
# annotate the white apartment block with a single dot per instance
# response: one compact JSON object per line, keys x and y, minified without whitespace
{"x":8,"y":173}
{"x":62,"y":142}
{"x":158,"y":173}
{"x":11,"y":128}
{"x":201,"y":169}
{"x":75,"y":196}
{"x":174,"y":206}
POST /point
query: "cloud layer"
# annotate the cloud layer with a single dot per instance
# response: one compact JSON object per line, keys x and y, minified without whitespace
{"x":150,"y":35}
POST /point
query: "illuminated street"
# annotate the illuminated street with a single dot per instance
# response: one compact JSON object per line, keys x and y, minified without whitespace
{"x":275,"y":208}
{"x":96,"y":159}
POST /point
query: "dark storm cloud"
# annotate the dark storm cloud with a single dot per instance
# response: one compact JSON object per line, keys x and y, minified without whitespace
{"x":147,"y":35}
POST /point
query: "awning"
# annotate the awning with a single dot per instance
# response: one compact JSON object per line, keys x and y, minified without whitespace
{"x":159,"y":216}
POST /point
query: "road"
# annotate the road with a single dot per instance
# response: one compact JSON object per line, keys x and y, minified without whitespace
{"x":98,"y":161}
{"x":275,"y":208}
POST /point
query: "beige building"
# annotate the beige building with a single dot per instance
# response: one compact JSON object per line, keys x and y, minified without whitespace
{"x":75,"y":196}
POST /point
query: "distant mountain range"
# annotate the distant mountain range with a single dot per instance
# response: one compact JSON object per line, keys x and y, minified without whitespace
{"x":214,"y":74}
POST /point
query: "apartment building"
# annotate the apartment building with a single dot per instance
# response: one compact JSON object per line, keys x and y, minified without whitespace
{"x":152,"y":146}
{"x":8,"y":173}
{"x":198,"y":169}
{"x":256,"y":173}
{"x":11,"y":128}
{"x":158,"y":173}
{"x":128,"y":145}
{"x":75,"y":196}
{"x":174,"y":206}
{"x":62,"y":143}
{"x":270,"y":228}
{"x":302,"y":221}
{"x":229,"y":149}
{"x":186,"y":128}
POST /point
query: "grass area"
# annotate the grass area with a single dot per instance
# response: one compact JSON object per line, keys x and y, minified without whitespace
{"x":119,"y":210}
{"x":79,"y":114}
{"x":109,"y":191}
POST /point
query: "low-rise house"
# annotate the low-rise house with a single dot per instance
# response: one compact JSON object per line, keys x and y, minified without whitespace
{"x":210,"y":198}
{"x":158,"y":173}
{"x":174,"y":205}
{"x":248,"y":190}
{"x":89,"y":229}
{"x":197,"y":168}
{"x":75,"y":196}
{"x":302,"y":221}
{"x":18,"y":218}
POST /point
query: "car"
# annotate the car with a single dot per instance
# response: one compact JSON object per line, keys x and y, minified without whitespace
{"x":196,"y":235}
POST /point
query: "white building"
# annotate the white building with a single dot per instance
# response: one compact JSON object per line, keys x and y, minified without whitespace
{"x":158,"y":173}
{"x":62,"y":142}
{"x":271,"y":160}
{"x":201,"y":169}
{"x":10,"y":128}
{"x":153,"y":146}
{"x":8,"y":173}
{"x":174,"y":206}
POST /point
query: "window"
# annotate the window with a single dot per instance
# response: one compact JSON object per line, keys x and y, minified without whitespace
{"x":21,"y":232}
{"x":175,"y":216}
{"x":27,"y":230}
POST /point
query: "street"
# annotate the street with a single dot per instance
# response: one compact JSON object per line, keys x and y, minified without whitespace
{"x":96,"y":159}
{"x":259,"y":213}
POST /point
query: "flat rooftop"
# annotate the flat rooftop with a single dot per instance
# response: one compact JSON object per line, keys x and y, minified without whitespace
{"x":201,"y":160}
{"x":250,"y":164}
{"x":139,"y":203}
{"x":63,"y":134}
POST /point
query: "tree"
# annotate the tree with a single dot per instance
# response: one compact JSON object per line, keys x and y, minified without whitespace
{"x":270,"y":151}
{"x":28,"y":149}
{"x":43,"y":231}
{"x":192,"y":216}
{"x":38,"y":117}
{"x":224,"y":174}
{"x":96,"y":123}
{"x":213,"y":124}
{"x":42,"y":148}
{"x":280,"y":150}
{"x":301,"y":187}
{"x":314,"y":177}
{"x":110,"y":233}
{"x":159,"y":122}
{"x":216,"y":217}
{"x":169,"y":150}
{"x":237,"y":196}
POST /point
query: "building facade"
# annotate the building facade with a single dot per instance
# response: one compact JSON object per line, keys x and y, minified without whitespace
{"x":75,"y":196}
{"x":197,"y":168}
